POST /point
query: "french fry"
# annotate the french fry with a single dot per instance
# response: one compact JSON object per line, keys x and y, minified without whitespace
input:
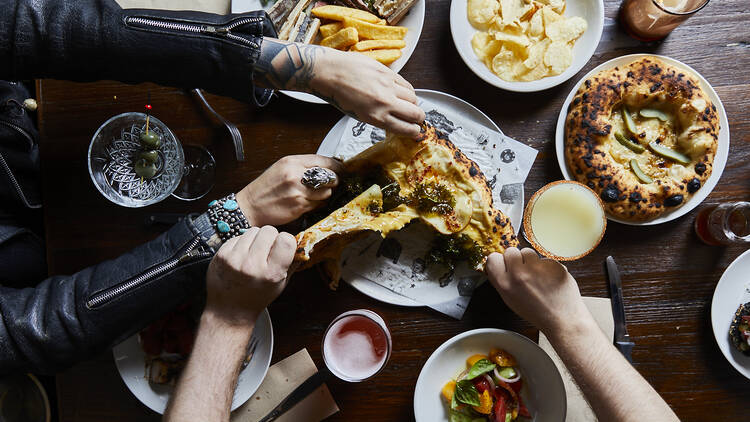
{"x":341,"y":39}
{"x":338,"y":13}
{"x":386,"y":57}
{"x":378,"y":45}
{"x":375,"y":32}
{"x":330,"y":28}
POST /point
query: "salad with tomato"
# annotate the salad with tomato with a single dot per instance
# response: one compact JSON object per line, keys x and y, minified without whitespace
{"x":488,"y":390}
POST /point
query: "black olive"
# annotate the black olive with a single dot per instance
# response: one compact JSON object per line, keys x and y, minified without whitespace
{"x":700,"y":168}
{"x":673,"y":201}
{"x":635,"y":197}
{"x":693,"y":185}
{"x":610,"y":194}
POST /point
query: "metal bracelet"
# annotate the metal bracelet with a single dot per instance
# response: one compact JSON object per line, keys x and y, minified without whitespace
{"x":227,"y":217}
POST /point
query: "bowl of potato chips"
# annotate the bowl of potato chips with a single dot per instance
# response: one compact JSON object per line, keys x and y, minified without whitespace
{"x":526,"y":45}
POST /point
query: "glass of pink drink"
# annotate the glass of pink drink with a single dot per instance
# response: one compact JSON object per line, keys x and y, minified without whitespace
{"x":356,"y":345}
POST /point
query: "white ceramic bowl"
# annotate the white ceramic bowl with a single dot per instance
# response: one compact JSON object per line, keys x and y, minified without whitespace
{"x":462,"y":31}
{"x":732,"y":290}
{"x":131,"y":362}
{"x":543,"y":391}
{"x":414,"y":20}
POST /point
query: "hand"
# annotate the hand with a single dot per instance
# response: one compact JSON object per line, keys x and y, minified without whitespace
{"x":539,"y":290}
{"x":248,"y":273}
{"x":278,"y":196}
{"x":368,"y":91}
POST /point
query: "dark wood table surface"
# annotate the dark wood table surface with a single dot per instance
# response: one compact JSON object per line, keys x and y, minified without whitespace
{"x":668,"y":275}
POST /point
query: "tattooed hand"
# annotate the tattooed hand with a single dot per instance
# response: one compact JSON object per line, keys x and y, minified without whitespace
{"x":355,"y":84}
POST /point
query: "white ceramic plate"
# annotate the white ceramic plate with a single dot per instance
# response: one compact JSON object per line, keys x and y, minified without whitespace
{"x":732,"y":290}
{"x":463,"y":31}
{"x":543,"y":391}
{"x":448,"y":102}
{"x":413,"y":21}
{"x":131,"y":364}
{"x":720,"y":160}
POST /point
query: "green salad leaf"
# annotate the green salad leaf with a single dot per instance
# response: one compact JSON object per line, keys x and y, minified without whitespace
{"x":466,"y":393}
{"x":458,"y":416}
{"x":482,"y":366}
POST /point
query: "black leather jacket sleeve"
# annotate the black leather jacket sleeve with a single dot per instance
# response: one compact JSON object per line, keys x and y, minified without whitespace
{"x":66,"y":319}
{"x":88,"y":40}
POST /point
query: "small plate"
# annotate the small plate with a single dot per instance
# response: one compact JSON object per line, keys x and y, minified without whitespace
{"x":583,"y":49}
{"x":454,"y":105}
{"x":414,"y":20}
{"x":732,"y":290}
{"x":543,"y":390}
{"x":722,"y":152}
{"x":131,"y":363}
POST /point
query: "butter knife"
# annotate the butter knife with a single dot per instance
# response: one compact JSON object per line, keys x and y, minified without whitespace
{"x":305,"y":389}
{"x":622,"y":339}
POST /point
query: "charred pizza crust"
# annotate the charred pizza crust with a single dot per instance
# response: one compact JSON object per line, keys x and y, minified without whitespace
{"x":409,"y":162}
{"x":596,"y":159}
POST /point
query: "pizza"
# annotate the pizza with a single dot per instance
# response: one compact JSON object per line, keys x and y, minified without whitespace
{"x":643,"y":136}
{"x":402,"y":180}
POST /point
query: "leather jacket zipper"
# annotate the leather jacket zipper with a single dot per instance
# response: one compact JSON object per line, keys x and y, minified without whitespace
{"x":187,"y":255}
{"x":6,"y":168}
{"x":196,"y":28}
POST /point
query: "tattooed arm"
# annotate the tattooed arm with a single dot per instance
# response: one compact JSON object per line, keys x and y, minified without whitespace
{"x":355,"y":84}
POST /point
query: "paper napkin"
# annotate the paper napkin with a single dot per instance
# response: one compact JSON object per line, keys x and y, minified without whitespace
{"x":578,"y":408}
{"x":282,"y":379}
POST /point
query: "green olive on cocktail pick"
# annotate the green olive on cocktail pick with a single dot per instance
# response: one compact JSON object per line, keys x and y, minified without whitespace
{"x":150,"y":156}
{"x":145,"y":169}
{"x":150,"y":140}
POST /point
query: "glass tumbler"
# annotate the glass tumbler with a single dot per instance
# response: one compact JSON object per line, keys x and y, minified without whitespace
{"x":724,"y":224}
{"x":651,"y":20}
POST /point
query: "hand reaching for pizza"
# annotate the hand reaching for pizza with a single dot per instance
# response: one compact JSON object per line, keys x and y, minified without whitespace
{"x":248,"y":273}
{"x":278,"y":196}
{"x":540,"y":290}
{"x":369,"y":91}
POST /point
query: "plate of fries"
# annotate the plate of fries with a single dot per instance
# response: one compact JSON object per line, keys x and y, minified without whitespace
{"x":389,"y":38}
{"x":526,"y":45}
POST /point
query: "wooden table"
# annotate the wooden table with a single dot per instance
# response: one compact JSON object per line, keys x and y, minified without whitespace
{"x":668,"y":275}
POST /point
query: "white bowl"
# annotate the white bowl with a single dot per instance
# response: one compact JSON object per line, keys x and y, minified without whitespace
{"x":732,"y":290}
{"x":543,"y":391}
{"x":463,"y":31}
{"x":414,"y":20}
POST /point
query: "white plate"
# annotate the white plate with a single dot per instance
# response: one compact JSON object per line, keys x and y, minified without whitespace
{"x":730,"y":293}
{"x":131,"y":364}
{"x":543,"y":390}
{"x":448,"y":102}
{"x":583,"y":49}
{"x":414,"y":20}
{"x":720,"y":159}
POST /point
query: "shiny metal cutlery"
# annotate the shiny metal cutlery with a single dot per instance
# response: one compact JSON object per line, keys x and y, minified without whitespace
{"x":239,"y":149}
{"x":622,"y":339}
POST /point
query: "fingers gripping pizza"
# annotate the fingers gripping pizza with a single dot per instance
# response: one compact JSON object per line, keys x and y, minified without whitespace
{"x":400,"y":180}
{"x":643,"y":136}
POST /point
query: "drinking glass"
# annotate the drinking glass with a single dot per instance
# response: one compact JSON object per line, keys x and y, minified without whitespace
{"x":724,"y":224}
{"x":651,"y":20}
{"x":356,"y":345}
{"x":114,"y":150}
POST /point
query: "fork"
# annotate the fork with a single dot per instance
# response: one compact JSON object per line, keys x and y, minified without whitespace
{"x":239,"y":150}
{"x":251,"y":346}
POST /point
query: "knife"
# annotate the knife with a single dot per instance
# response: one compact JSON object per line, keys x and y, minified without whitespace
{"x":622,"y":339}
{"x":299,"y":393}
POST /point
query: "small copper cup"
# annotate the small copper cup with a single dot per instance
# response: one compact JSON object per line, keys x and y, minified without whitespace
{"x":651,"y":20}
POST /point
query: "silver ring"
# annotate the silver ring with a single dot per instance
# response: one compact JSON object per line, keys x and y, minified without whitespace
{"x":318,"y":177}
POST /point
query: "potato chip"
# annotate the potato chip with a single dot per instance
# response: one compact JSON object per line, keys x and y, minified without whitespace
{"x":549,"y":16}
{"x":536,"y":26}
{"x":559,"y":56}
{"x":502,"y":65}
{"x":485,"y":46}
{"x":566,"y":30}
{"x":481,"y":13}
{"x":512,"y":10}
{"x":535,"y":74}
{"x":536,"y":54}
{"x":517,"y":42}
{"x":556,"y":5}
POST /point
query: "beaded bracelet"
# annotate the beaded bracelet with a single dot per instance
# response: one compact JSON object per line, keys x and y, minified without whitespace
{"x":227,"y":217}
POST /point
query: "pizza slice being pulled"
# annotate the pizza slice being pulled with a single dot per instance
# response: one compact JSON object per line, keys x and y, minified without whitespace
{"x":400,"y":180}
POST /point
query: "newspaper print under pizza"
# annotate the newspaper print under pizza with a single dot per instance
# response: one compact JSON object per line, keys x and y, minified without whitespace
{"x":397,"y":262}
